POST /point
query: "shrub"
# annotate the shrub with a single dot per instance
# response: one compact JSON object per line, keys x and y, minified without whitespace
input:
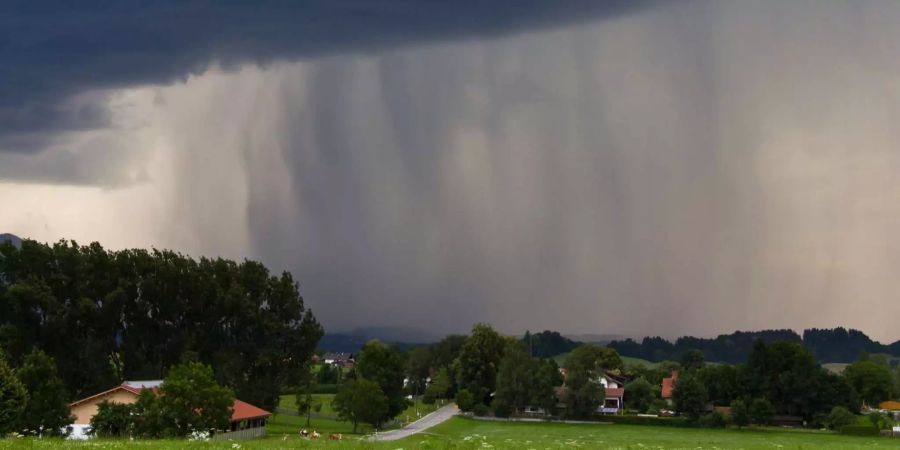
{"x":655,"y":421}
{"x":656,"y":406}
{"x":761,"y":411}
{"x":712,"y":420}
{"x":740,"y":414}
{"x":428,"y":399}
{"x":481,"y":410}
{"x":112,"y":420}
{"x":859,"y":430}
{"x":465,"y":400}
{"x":839,"y":417}
{"x":501,"y":408}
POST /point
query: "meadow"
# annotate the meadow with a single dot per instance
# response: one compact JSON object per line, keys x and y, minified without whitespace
{"x":462,"y":433}
{"x":412,"y":413}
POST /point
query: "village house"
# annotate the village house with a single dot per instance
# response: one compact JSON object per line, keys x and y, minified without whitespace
{"x":342,"y":360}
{"x":891,"y":408}
{"x":614,"y":390}
{"x":668,"y":386}
{"x":247,"y":421}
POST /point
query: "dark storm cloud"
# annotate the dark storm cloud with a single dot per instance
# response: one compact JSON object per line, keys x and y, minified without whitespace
{"x":52,"y":50}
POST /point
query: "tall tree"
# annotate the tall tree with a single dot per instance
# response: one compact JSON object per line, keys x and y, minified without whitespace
{"x":640,"y":394}
{"x":583,"y":393}
{"x":47,"y":409}
{"x":418,"y":368}
{"x":515,"y":377}
{"x":105,"y":316}
{"x":384,"y":365}
{"x":545,"y":377}
{"x":689,"y":396}
{"x":361,"y":401}
{"x":722,"y":381}
{"x":693,"y":359}
{"x":871,"y":380}
{"x":13,"y":398}
{"x":440,"y":384}
{"x":478,"y":361}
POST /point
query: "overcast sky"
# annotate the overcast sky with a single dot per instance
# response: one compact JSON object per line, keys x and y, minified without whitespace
{"x":630,"y":167}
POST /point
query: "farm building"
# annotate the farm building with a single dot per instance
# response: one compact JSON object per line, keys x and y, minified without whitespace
{"x":247,"y":421}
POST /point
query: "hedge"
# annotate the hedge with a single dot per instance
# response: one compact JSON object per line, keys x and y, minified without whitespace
{"x":860,"y":430}
{"x":641,"y":420}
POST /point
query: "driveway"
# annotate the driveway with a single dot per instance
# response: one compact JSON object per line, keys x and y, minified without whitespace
{"x":437,"y":417}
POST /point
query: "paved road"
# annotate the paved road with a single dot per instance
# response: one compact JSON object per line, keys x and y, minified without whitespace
{"x":438,"y":416}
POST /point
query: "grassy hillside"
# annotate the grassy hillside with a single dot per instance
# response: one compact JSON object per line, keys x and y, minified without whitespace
{"x":561,"y":359}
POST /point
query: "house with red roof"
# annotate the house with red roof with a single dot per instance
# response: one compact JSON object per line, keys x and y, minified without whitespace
{"x":247,"y":421}
{"x":668,"y":386}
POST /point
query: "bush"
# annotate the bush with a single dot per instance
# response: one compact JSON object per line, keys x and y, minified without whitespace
{"x":428,"y":399}
{"x":501,"y":408}
{"x":712,"y":420}
{"x":859,"y":430}
{"x":740,"y":414}
{"x":481,"y":410}
{"x":761,"y":411}
{"x":465,"y":400}
{"x":656,"y":406}
{"x":839,"y":417}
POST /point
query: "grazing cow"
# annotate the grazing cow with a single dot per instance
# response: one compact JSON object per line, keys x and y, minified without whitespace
{"x":304,"y":433}
{"x":315,"y":435}
{"x":335,"y":436}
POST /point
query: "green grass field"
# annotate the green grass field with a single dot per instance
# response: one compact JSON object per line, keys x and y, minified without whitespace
{"x":461,"y":433}
{"x":327,"y":411}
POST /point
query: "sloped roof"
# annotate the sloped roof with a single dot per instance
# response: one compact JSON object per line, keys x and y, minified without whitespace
{"x":615,"y":392}
{"x":668,"y":385}
{"x":144,"y":384}
{"x":121,"y":387}
{"x":241,"y":410}
{"x":245,"y":411}
{"x":890,"y":405}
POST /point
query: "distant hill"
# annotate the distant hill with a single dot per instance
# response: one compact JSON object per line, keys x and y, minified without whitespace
{"x":15,"y":240}
{"x":837,"y":345}
{"x":353,"y":341}
{"x":596,"y":338}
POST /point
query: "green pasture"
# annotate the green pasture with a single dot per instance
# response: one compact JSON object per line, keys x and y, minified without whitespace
{"x":461,"y":433}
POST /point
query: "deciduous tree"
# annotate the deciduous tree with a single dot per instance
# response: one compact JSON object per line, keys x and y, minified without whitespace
{"x":689,"y":396}
{"x":384,"y":366}
{"x":190,"y":400}
{"x":13,"y":398}
{"x":361,"y":401}
{"x":47,"y":409}
{"x":640,"y":394}
{"x":478,"y":361}
{"x":872,"y":381}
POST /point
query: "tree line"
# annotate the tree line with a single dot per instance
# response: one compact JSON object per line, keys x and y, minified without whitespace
{"x":107,"y":316}
{"x":491,"y":374}
{"x":827,"y":345}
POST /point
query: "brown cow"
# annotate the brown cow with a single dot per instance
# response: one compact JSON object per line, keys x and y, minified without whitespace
{"x":335,"y":436}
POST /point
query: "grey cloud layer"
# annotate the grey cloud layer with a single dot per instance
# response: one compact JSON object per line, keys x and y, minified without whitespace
{"x":54,"y":49}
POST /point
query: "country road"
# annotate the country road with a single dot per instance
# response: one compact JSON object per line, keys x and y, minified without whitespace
{"x":437,"y":417}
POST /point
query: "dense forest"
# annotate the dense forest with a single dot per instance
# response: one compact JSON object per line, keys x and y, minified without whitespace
{"x":827,"y":345}
{"x":108,"y":316}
